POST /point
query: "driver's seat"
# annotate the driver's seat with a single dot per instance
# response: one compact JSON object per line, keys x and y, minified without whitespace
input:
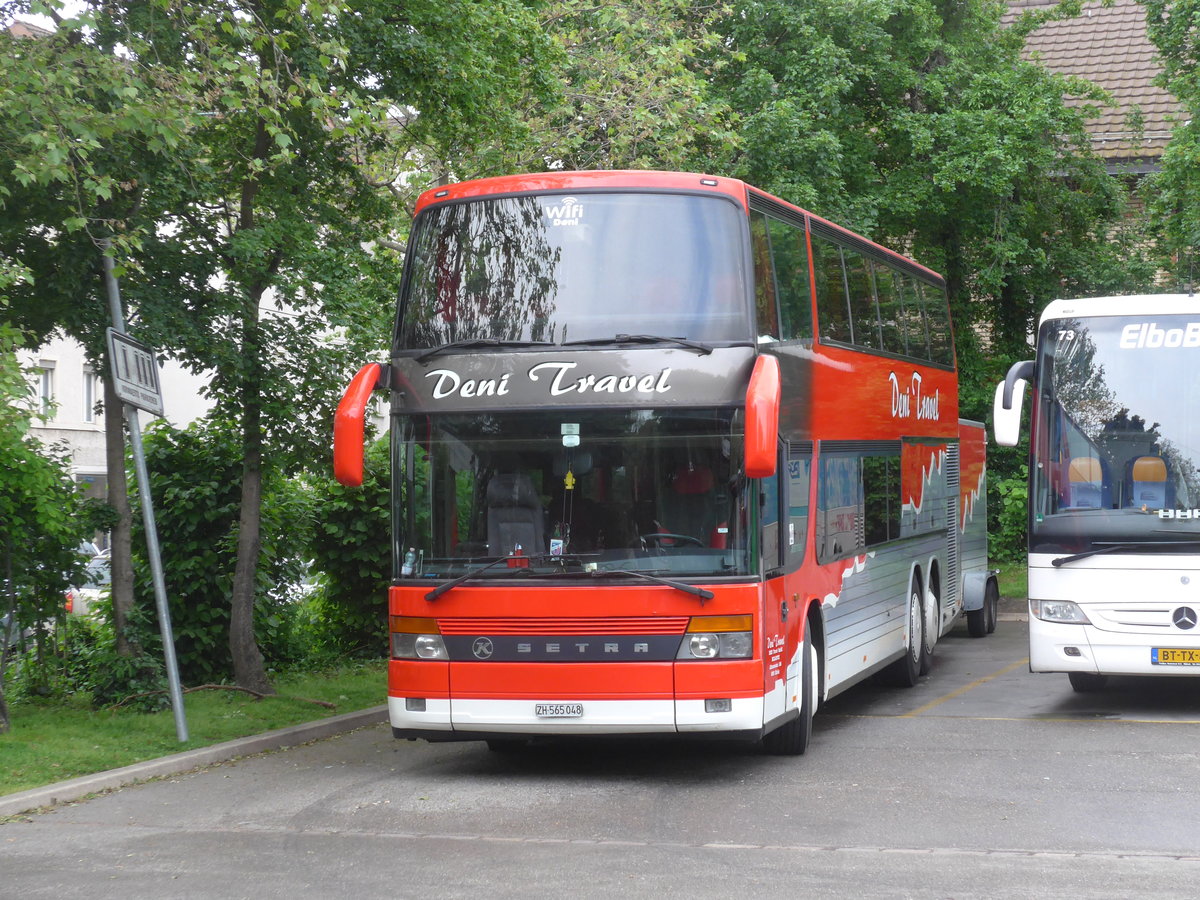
{"x":514,"y":516}
{"x":688,"y":505}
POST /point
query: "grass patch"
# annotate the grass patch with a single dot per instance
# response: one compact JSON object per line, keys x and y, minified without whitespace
{"x":54,"y":741}
{"x":1014,"y":579}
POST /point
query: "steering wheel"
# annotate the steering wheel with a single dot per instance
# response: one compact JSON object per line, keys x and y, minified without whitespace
{"x":660,"y":536}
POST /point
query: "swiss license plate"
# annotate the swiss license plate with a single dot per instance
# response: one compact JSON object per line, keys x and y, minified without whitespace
{"x":1174,"y":656}
{"x":558,"y":710}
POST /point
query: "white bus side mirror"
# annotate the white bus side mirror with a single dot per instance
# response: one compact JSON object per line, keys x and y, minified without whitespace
{"x":1006,"y":408}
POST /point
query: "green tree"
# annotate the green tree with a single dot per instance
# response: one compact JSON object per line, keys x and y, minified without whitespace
{"x":38,"y":506}
{"x":919,"y":124}
{"x":93,"y":146}
{"x":1172,"y":26}
{"x":257,"y":254}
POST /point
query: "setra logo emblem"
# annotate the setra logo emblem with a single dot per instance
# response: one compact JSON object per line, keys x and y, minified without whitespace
{"x":483,"y":648}
{"x":1184,"y":617}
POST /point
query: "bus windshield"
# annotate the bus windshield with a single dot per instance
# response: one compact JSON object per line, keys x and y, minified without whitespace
{"x":557,"y":268}
{"x":649,"y":491}
{"x":1116,"y":437}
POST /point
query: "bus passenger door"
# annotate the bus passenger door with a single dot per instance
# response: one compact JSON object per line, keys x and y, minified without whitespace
{"x":778,"y":625}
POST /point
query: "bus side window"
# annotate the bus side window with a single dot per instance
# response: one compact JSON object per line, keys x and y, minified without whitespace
{"x":839,"y":507}
{"x":790,"y":255}
{"x":864,"y":316}
{"x":881,"y":498}
{"x":833,"y":312}
{"x":912,"y":317}
{"x":765,"y":287}
{"x":937,"y":312}
{"x":890,"y":316}
{"x":771,"y":551}
{"x":799,"y":472}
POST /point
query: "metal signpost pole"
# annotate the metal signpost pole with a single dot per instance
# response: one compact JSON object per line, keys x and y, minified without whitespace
{"x":152,"y":547}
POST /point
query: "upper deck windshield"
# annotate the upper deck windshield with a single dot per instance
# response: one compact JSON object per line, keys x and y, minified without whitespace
{"x":1117,"y":435}
{"x":583,"y":493}
{"x":559,"y":268}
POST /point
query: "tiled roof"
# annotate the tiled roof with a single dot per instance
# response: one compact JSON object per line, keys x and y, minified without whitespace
{"x":1108,"y":46}
{"x":28,"y":29}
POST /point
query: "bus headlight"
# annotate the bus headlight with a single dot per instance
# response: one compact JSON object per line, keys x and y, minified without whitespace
{"x":1063,"y":612}
{"x":718,"y":637}
{"x":415,"y":638}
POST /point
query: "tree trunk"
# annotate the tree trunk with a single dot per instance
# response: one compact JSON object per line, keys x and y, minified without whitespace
{"x":249,"y":670}
{"x":121,"y":537}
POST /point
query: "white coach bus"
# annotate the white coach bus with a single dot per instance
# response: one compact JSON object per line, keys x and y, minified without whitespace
{"x":1114,"y":486}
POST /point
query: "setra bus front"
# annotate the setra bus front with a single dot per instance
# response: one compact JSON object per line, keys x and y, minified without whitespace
{"x":580,"y":419}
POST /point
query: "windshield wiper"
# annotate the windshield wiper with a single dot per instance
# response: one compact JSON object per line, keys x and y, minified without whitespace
{"x":669,"y":582}
{"x":702,"y":349}
{"x":477,"y":343}
{"x":1163,"y":546}
{"x":467,"y":576}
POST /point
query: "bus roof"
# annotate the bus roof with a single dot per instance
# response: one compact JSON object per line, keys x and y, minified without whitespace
{"x":538,"y":182}
{"x":1133,"y":304}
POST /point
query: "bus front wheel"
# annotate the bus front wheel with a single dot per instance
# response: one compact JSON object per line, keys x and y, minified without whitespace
{"x":1087,"y":682}
{"x":791,"y":739}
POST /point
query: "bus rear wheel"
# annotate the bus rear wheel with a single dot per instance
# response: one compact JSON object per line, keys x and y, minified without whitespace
{"x":792,"y":738}
{"x":982,"y":622}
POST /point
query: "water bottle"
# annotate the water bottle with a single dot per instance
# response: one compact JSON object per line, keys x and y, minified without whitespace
{"x":410,"y":561}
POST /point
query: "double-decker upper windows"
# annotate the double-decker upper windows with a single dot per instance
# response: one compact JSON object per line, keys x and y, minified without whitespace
{"x":559,"y":268}
{"x":871,"y":304}
{"x":783,"y":300}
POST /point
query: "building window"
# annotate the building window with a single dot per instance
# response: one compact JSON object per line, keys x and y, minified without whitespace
{"x":91,"y":393}
{"x":45,"y":387}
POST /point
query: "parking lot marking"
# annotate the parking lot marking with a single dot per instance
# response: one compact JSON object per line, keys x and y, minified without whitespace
{"x":958,"y":692}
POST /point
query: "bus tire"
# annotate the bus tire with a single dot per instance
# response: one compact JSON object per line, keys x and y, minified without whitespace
{"x":792,"y":738}
{"x":1087,"y":682}
{"x":982,"y":622}
{"x":905,"y":671}
{"x":932,"y":625}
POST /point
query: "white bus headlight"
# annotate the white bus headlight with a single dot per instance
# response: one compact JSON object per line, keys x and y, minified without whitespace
{"x":1061,"y":611}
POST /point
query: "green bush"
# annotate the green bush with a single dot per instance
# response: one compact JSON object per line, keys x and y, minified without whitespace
{"x":1007,"y":542}
{"x":196,"y":473}
{"x":351,"y":547}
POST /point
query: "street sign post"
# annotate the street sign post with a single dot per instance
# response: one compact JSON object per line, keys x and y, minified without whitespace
{"x":134,"y":373}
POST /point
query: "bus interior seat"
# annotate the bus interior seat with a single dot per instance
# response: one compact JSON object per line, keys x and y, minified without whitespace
{"x":1085,"y":483}
{"x":690,"y":504}
{"x":1148,"y":482}
{"x":514,"y":515}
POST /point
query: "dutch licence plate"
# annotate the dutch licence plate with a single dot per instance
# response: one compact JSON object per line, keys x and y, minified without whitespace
{"x":1174,"y":656}
{"x":558,"y":710}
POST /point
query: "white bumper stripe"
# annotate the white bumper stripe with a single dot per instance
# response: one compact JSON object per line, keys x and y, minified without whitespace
{"x":600,"y":717}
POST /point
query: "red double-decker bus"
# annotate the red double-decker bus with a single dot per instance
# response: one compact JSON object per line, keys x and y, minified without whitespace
{"x":669,"y":456}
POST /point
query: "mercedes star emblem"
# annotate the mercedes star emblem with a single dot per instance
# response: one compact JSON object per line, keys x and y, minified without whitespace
{"x":1184,"y":617}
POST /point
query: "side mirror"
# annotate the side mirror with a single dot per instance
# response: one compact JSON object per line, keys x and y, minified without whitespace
{"x":348,"y":425}
{"x":1007,"y":405}
{"x":762,"y":418}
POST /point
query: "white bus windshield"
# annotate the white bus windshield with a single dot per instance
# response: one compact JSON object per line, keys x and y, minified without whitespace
{"x":1116,"y":444}
{"x":559,"y":268}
